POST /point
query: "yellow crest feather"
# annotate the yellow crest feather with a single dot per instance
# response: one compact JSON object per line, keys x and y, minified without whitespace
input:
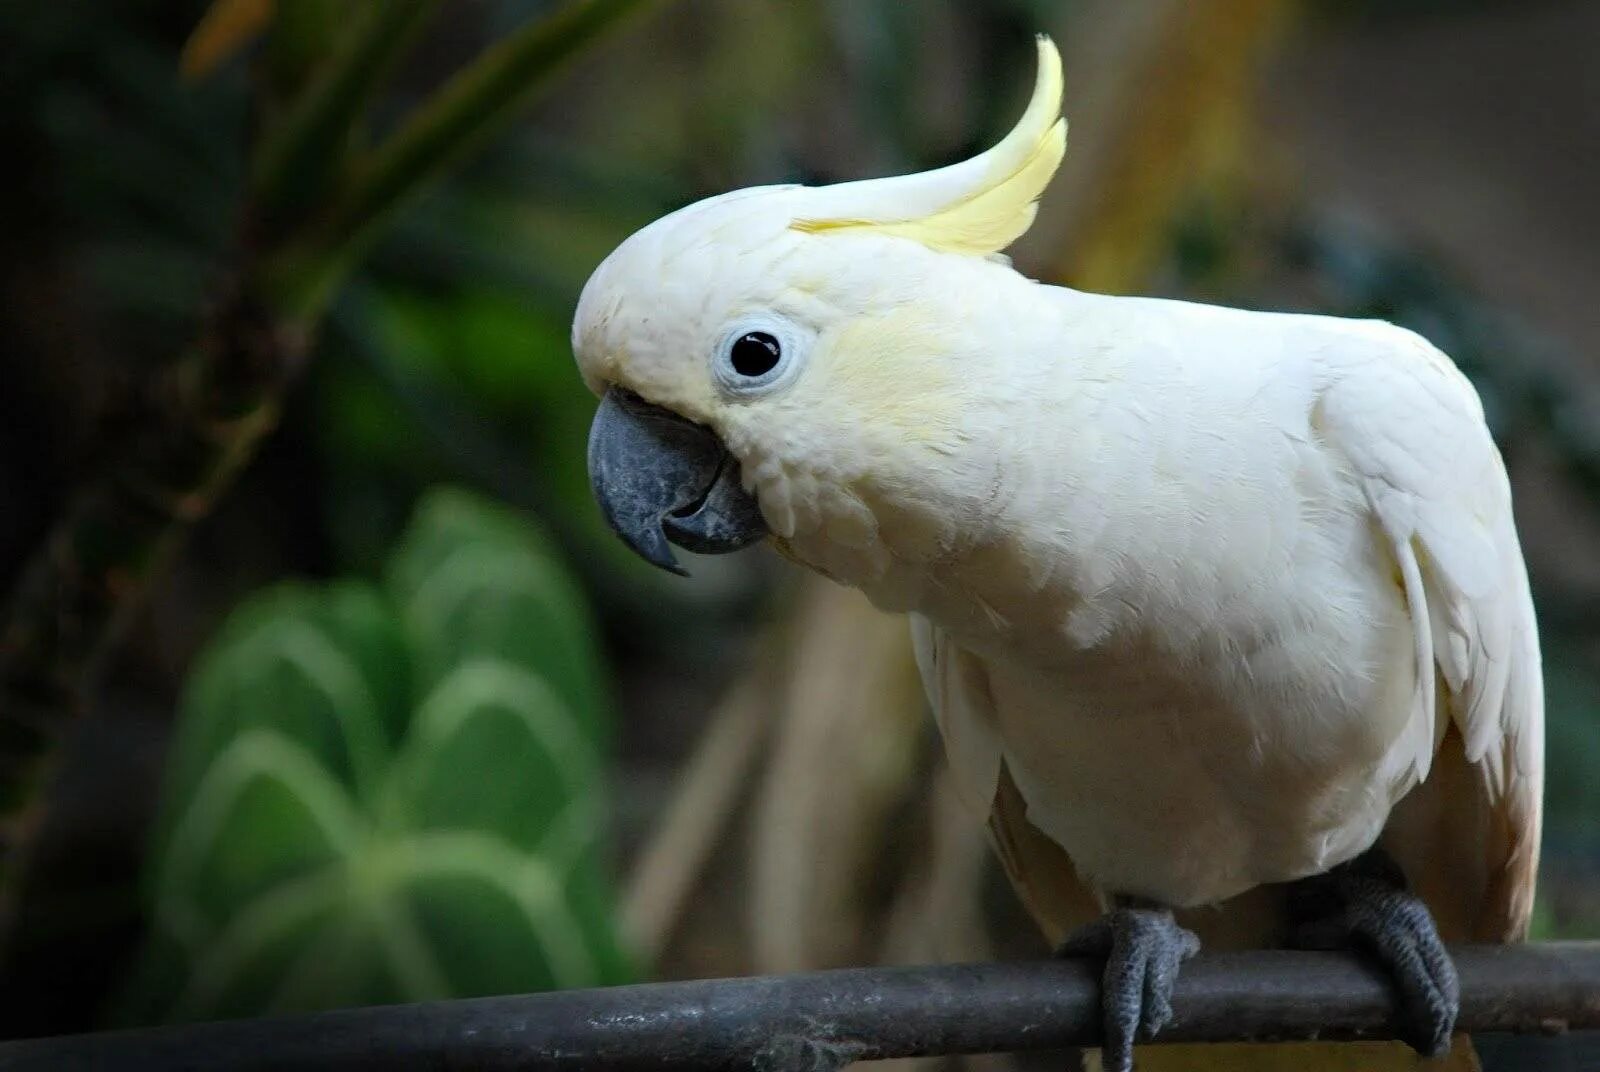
{"x":989,"y":201}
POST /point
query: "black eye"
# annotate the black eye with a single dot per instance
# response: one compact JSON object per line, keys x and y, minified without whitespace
{"x":755,"y":354}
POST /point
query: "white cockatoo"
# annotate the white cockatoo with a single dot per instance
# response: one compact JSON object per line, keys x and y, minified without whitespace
{"x":1222,"y":614}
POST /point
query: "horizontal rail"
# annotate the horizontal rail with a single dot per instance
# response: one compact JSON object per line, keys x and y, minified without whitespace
{"x":818,"y":1020}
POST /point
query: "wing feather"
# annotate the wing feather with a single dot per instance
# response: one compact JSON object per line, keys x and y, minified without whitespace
{"x":1040,"y":871}
{"x":1412,"y":427}
{"x":958,"y":694}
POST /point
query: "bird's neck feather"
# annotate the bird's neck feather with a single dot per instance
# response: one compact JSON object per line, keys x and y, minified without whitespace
{"x":912,"y":493}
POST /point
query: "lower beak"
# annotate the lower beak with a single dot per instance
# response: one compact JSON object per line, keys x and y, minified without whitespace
{"x":659,"y":477}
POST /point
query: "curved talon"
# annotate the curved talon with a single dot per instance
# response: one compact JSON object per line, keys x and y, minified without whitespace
{"x":1143,"y":949}
{"x":1365,"y":904}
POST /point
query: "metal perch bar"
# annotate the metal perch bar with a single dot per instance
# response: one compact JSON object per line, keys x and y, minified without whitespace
{"x":821,"y":1019}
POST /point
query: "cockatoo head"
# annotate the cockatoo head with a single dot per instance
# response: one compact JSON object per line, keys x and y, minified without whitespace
{"x":760,"y":354}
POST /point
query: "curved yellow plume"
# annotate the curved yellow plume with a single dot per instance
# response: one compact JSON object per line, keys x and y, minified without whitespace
{"x":979,"y":206}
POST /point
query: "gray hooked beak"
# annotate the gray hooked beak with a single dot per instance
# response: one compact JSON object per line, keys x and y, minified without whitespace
{"x":659,"y":477}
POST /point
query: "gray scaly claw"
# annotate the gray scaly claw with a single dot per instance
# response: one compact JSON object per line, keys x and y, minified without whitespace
{"x":1143,"y":949}
{"x":1365,"y":904}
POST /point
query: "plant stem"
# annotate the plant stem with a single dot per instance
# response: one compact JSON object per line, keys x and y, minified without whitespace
{"x":471,"y":107}
{"x":304,"y":152}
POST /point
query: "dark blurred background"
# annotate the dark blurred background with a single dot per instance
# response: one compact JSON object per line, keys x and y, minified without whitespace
{"x":1427,"y":161}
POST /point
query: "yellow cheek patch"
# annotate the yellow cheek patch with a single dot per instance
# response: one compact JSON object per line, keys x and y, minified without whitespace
{"x":896,"y":372}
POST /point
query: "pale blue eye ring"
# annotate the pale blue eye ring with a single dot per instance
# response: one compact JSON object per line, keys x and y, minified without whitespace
{"x":758,"y":355}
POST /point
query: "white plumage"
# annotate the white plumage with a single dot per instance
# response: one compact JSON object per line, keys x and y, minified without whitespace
{"x":1218,"y":598}
{"x":1234,"y":595}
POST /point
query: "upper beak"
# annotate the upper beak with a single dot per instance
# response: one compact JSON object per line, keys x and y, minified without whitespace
{"x":658,"y":476}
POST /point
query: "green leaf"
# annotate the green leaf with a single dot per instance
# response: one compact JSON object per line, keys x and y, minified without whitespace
{"x":474,"y":581}
{"x":322,"y":845}
{"x":486,"y":909}
{"x":325,"y":671}
{"x":265,"y":814}
{"x":371,"y":637}
{"x":251,"y":967}
{"x":588,"y":898}
{"x":496,"y":750}
{"x":358,"y":957}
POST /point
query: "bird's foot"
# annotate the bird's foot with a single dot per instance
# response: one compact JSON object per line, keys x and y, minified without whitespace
{"x":1364,"y":904}
{"x":1142,"y":948}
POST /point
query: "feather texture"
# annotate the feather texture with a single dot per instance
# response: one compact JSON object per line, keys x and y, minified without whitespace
{"x":1205,"y":600}
{"x":1412,"y":427}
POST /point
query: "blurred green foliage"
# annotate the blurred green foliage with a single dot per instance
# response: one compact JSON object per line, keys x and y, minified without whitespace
{"x":388,"y":792}
{"x":435,"y":383}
